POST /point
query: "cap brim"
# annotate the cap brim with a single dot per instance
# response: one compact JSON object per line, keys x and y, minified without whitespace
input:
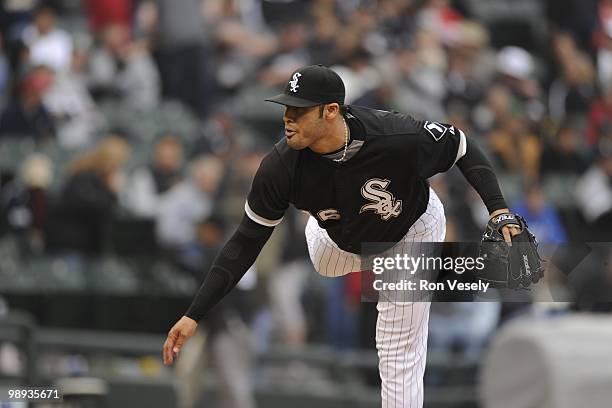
{"x":290,"y":100}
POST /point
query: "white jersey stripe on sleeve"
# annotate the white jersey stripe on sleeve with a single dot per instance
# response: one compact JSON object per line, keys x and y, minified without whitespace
{"x":258,"y":219}
{"x":462,"y":146}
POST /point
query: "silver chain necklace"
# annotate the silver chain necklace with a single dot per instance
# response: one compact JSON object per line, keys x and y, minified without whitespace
{"x":346,"y":138}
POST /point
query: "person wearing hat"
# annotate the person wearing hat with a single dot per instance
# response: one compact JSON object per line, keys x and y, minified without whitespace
{"x":362,"y":175}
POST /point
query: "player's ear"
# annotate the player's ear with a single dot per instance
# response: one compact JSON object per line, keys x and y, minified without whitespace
{"x":331,"y":110}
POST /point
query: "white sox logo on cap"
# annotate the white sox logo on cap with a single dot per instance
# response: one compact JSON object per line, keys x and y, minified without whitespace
{"x":311,"y":86}
{"x":294,"y":82}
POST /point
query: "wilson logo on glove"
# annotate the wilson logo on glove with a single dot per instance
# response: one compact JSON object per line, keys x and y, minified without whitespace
{"x":503,"y":217}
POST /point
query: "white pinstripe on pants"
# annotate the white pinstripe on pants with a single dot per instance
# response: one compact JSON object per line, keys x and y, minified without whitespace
{"x":401,"y":329}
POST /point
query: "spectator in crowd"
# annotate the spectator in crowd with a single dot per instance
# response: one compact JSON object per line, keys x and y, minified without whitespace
{"x":396,"y":22}
{"x":440,"y":16}
{"x":70,"y":103}
{"x":37,"y":175}
{"x":123,"y":69}
{"x":289,"y":283}
{"x":15,"y":17}
{"x":47,"y":44}
{"x":562,"y":48}
{"x":358,"y":75}
{"x":477,"y":61}
{"x":325,"y":30}
{"x":600,"y":115}
{"x":25,"y":115}
{"x":542,"y":218}
{"x":603,"y":43}
{"x":593,"y":192}
{"x":211,"y":236}
{"x":516,"y":147}
{"x":567,"y":153}
{"x":575,"y":17}
{"x":187,"y":203}
{"x":103,"y":13}
{"x":238,"y":33}
{"x":182,"y":52}
{"x":380,"y":97}
{"x":147,"y":184}
{"x":461,"y":83}
{"x":25,"y":202}
{"x":572,"y":92}
{"x":222,"y":136}
{"x":290,"y":53}
{"x":80,"y":218}
{"x":493,"y":110}
{"x":421,"y":84}
{"x":197,"y":257}
{"x":517,"y":71}
{"x":348,"y":40}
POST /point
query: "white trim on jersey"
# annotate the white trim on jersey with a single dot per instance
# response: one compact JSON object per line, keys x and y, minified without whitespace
{"x":462,"y":146}
{"x":259,"y":219}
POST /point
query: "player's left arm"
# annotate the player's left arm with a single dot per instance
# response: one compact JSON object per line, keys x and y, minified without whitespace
{"x":478,"y":171}
{"x":441,"y":146}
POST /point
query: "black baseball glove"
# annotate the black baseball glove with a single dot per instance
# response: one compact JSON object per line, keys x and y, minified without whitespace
{"x":516,"y":266}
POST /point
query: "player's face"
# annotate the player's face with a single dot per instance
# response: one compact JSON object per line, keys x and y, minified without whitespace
{"x":303,"y":126}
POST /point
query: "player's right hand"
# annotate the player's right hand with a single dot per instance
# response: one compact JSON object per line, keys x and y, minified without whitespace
{"x":178,"y":334}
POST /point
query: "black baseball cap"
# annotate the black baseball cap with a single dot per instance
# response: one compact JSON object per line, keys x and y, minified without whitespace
{"x":310,"y":86}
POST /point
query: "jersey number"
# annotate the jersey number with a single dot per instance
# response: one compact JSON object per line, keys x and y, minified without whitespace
{"x":436,"y":130}
{"x":329,"y":214}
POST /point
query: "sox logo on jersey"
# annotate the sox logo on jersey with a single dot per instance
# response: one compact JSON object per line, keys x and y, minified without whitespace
{"x":383,"y":202}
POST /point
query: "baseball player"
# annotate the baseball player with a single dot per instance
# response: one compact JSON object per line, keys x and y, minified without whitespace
{"x":362,"y":175}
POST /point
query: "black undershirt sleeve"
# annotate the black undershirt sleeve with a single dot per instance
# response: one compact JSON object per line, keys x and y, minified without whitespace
{"x":478,"y":171}
{"x":230,"y":265}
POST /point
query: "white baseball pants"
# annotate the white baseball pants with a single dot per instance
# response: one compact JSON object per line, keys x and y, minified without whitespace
{"x":401,"y":329}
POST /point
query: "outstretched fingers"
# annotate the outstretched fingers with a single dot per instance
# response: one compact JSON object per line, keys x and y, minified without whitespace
{"x":169,"y":346}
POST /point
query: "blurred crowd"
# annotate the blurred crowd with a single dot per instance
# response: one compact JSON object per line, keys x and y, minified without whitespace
{"x":530,"y":82}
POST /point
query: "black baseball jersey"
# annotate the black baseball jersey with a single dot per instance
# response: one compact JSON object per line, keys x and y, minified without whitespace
{"x":374,"y":196}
